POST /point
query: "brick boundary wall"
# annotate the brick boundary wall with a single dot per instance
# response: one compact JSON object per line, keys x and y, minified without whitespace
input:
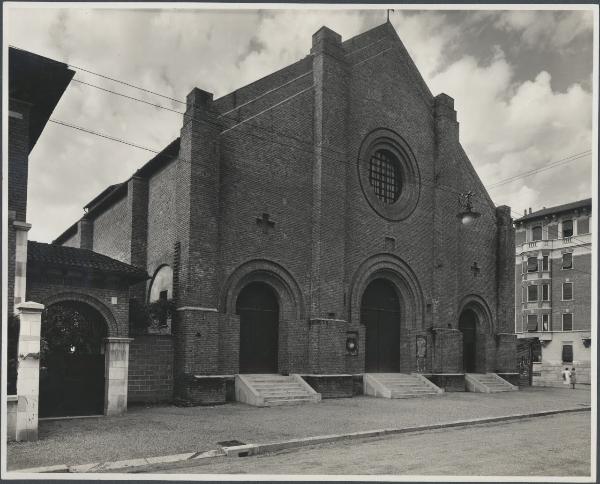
{"x":150,"y":369}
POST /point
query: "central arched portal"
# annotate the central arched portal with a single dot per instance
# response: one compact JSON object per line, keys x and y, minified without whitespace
{"x":467,"y":324}
{"x":258,"y":309}
{"x":380,"y":313}
{"x":72,"y":360}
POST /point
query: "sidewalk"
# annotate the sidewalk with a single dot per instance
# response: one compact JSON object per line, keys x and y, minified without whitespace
{"x":165,"y":430}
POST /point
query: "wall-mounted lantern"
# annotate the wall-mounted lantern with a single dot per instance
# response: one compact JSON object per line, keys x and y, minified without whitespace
{"x":468,"y":214}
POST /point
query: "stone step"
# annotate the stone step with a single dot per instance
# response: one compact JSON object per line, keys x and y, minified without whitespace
{"x":283,"y":394}
{"x":276,"y":385}
{"x":275,"y":403}
{"x":412,"y":395}
{"x":276,"y":398}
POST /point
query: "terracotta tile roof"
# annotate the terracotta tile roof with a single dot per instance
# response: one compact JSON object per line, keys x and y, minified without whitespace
{"x":556,"y":210}
{"x":88,"y":260}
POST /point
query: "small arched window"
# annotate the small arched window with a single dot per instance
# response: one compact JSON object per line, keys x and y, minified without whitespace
{"x":536,"y":233}
{"x":162,"y":284}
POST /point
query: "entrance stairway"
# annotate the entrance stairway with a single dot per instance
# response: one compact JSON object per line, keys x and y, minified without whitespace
{"x":487,"y":383}
{"x":398,"y":385}
{"x":267,"y":390}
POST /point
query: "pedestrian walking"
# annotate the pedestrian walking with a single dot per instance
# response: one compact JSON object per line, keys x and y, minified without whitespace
{"x":573,"y":378}
{"x":566,"y":376}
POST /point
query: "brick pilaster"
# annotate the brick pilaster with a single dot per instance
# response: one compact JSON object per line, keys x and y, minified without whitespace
{"x":198,"y":167}
{"x":505,"y":270}
{"x":330,"y":79}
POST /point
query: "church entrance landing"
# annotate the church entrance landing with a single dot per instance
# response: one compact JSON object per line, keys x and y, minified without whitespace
{"x":258,"y":309}
{"x":72,"y":361}
{"x":380,"y":313}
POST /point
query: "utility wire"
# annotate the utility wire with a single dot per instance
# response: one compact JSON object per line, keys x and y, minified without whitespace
{"x":494,"y":185}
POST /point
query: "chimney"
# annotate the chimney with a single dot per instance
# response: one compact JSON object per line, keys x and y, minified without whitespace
{"x":529,"y":210}
{"x":525,"y":212}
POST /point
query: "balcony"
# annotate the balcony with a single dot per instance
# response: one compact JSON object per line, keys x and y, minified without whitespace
{"x":535,"y":245}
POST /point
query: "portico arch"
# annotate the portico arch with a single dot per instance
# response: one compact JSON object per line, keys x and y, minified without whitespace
{"x":107,"y":314}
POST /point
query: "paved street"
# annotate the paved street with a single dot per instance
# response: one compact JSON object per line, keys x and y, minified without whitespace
{"x":165,"y":430}
{"x":546,"y":446}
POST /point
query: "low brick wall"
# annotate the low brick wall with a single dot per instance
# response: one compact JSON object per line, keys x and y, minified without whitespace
{"x":550,"y":374}
{"x":331,"y":386}
{"x":512,"y":378}
{"x":197,"y":390}
{"x":11,"y":417}
{"x":150,"y":369}
{"x":450,"y":382}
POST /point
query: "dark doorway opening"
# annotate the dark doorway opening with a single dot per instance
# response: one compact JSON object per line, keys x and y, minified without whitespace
{"x":380,"y":313}
{"x":258,"y":309}
{"x":72,"y":361}
{"x":467,"y":324}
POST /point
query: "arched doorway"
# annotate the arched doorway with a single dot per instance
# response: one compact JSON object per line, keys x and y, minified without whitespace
{"x":380,"y":313}
{"x":258,"y":309}
{"x":72,"y":360}
{"x":467,"y":324}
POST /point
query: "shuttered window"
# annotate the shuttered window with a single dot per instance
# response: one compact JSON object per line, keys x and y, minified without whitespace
{"x":552,"y":232}
{"x":520,"y":237}
{"x":567,"y":228}
{"x":567,"y":353}
{"x":567,"y":261}
{"x":536,"y":233}
{"x":567,"y":322}
{"x":583,"y":225}
{"x":567,"y":291}
{"x":532,"y":264}
{"x":532,"y":322}
{"x":532,"y":293}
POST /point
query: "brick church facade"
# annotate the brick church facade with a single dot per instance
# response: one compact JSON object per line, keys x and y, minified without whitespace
{"x":307,"y":224}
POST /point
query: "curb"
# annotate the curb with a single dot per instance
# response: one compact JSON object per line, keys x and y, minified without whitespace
{"x":256,"y":449}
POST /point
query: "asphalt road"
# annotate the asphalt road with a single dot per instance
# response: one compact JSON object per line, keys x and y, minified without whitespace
{"x":545,"y":446}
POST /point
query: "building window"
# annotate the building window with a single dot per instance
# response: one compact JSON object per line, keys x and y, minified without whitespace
{"x":583,"y":225}
{"x":567,"y":353}
{"x":567,"y":228}
{"x":545,"y":263}
{"x":532,"y":264}
{"x":536,"y":233}
{"x":532,"y":323}
{"x":553,"y":232}
{"x":532,"y":293}
{"x":384,"y":176}
{"x":567,"y":322}
{"x":567,"y":291}
{"x":545,"y":323}
{"x":567,"y":261}
{"x":545,"y":292}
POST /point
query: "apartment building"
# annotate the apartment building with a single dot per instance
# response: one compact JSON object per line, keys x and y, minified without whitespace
{"x":553,"y":259}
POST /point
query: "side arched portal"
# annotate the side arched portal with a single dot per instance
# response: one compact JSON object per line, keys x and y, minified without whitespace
{"x":72,"y":362}
{"x":475,"y":322}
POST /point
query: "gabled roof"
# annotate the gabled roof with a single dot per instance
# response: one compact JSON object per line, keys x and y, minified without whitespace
{"x":38,"y":81}
{"x":567,"y":207}
{"x":84,"y":259}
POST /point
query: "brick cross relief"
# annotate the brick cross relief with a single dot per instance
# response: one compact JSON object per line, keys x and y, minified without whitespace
{"x":475,"y":269}
{"x":265,"y":222}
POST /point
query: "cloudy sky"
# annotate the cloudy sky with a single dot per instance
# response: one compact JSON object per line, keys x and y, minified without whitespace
{"x":521,"y":80}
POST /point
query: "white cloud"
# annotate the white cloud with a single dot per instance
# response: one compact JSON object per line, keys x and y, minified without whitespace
{"x":546,"y":28}
{"x":506,"y":127}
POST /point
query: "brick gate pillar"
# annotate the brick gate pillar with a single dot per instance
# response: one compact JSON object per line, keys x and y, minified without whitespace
{"x":28,"y":373}
{"x":116,"y":366}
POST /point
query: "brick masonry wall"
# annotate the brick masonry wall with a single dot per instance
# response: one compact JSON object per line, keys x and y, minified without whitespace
{"x":150,"y":369}
{"x":112,"y":232}
{"x":73,"y":241}
{"x":161,"y":218}
{"x":44,"y":288}
{"x":581,"y":279}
